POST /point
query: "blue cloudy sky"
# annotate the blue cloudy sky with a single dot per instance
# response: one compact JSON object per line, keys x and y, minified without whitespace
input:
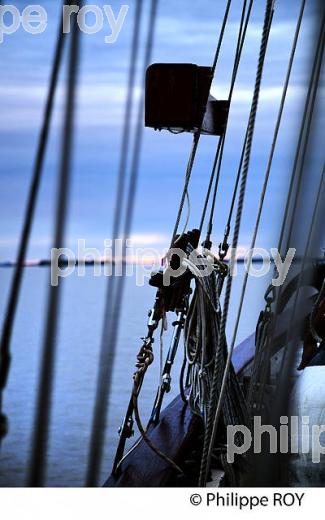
{"x":186,"y":32}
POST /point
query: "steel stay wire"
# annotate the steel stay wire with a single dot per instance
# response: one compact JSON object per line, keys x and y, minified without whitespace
{"x":11,"y":308}
{"x":219,"y":152}
{"x":240,"y":42}
{"x":314,"y":83}
{"x":197,"y":133}
{"x":288,"y":353}
{"x":43,"y":407}
{"x":267,"y":173}
{"x":111,"y":295}
{"x":286,"y":365}
{"x":110,"y":329}
{"x":297,"y":169}
{"x":191,"y":159}
{"x":213,"y":419}
{"x":241,"y":38}
{"x":124,"y":151}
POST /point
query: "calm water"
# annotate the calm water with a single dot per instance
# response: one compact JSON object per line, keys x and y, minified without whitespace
{"x":76,"y":368}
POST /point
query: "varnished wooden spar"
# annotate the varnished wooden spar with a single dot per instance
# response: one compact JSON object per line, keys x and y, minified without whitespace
{"x":177,"y":434}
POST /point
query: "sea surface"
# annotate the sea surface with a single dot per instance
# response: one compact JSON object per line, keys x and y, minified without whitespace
{"x":81,"y":319}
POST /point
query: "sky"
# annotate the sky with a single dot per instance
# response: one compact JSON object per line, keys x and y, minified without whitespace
{"x":186,"y":32}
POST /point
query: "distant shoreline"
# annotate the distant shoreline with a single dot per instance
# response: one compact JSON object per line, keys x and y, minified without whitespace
{"x":90,"y":263}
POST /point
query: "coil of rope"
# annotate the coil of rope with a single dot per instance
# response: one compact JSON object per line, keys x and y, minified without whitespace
{"x":189,"y":168}
{"x":201,"y":340}
{"x":215,"y":173}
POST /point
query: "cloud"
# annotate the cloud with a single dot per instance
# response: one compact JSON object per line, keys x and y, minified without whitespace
{"x":267,"y":95}
{"x":6,"y":241}
{"x":149,"y":239}
{"x":204,"y":31}
{"x":101,"y":105}
{"x":98,"y":105}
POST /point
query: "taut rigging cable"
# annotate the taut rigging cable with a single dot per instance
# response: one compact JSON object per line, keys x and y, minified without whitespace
{"x":214,"y":411}
{"x":196,"y":305}
{"x":240,"y":42}
{"x":187,"y":178}
{"x":111,"y":294}
{"x":267,"y":172}
{"x":221,"y":143}
{"x":314,"y":84}
{"x":110,"y":330}
{"x":27,"y":225}
{"x":124,"y":152}
{"x":197,"y":133}
{"x":43,"y":407}
{"x":288,"y":353}
{"x":292,"y":333}
{"x":296,"y":174}
{"x":294,"y":45}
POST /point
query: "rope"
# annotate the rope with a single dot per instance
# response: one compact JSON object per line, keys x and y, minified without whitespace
{"x":240,"y":43}
{"x":223,"y":247}
{"x":147,"y":440}
{"x":301,"y":146}
{"x":188,"y":174}
{"x":296,"y":175}
{"x":319,"y":192}
{"x":262,"y":333}
{"x":320,"y":297}
{"x":197,"y":134}
{"x":201,"y":339}
{"x":219,"y":152}
{"x":213,"y":418}
{"x":286,"y":365}
{"x":110,"y":330}
{"x":267,"y":173}
{"x":124,"y":152}
{"x":5,"y":356}
{"x":43,"y":408}
{"x":145,"y":358}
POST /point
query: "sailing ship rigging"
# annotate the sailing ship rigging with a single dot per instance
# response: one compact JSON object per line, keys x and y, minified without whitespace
{"x":221,"y":384}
